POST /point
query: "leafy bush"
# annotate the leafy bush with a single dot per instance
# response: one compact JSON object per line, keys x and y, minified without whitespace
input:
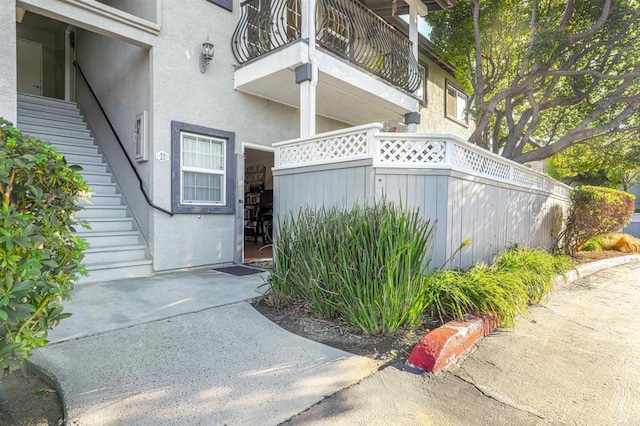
{"x":365,"y":265}
{"x":593,"y":244}
{"x":40,"y":255}
{"x":518,"y":277}
{"x":594,"y":211}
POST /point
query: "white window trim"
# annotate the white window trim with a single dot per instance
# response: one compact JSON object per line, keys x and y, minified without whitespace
{"x":462,"y":120}
{"x":222,"y":172}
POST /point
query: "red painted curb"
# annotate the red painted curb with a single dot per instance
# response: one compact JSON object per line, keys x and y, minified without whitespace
{"x":442,"y":346}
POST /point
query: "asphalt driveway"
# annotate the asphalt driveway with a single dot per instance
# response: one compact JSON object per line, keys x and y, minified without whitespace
{"x":575,"y":360}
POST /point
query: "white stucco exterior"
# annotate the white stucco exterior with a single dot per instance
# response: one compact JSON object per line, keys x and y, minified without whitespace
{"x":144,"y":56}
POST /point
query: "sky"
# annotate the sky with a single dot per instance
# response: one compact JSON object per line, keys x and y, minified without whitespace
{"x":423,"y":27}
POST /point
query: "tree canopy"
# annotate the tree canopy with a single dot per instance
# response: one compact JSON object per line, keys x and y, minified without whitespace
{"x":614,"y":164}
{"x":545,"y":75}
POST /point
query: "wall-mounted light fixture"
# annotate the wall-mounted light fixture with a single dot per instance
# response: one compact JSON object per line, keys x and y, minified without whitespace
{"x":207,"y":55}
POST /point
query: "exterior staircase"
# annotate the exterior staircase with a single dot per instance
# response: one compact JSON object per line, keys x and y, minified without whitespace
{"x":116,"y":247}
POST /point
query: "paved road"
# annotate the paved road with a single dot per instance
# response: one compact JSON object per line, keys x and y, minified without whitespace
{"x":574,"y":361}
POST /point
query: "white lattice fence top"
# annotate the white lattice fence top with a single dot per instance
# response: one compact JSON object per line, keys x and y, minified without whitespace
{"x":635,"y":217}
{"x":530,"y":179}
{"x":411,"y":151}
{"x":322,"y":150}
{"x":477,"y":162}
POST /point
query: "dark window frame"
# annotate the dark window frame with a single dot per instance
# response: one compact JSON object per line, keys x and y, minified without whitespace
{"x":177,"y":207}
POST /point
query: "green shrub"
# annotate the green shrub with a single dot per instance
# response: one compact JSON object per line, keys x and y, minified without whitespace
{"x":39,"y":253}
{"x":594,"y":211}
{"x":518,"y":277}
{"x":593,"y":244}
{"x":536,"y":269}
{"x":365,"y":265}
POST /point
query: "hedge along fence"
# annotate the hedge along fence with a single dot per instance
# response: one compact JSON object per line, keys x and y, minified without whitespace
{"x":594,"y":211}
{"x":40,"y":254}
{"x":365,"y":265}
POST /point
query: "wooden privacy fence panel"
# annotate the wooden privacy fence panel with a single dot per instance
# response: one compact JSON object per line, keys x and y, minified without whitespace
{"x":472,"y":193}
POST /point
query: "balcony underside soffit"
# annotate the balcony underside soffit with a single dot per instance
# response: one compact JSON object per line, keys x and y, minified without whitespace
{"x":387,"y":8}
{"x":344,"y":92}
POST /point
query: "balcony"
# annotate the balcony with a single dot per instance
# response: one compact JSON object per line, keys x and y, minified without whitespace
{"x":362,"y":60}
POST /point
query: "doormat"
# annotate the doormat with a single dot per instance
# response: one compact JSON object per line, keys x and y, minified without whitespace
{"x":238,"y":271}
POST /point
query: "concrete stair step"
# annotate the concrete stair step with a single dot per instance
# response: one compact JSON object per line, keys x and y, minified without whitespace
{"x":93,"y":177}
{"x":103,"y":188}
{"x":111,"y":224}
{"x":53,"y":122}
{"x":92,"y":167}
{"x":75,"y":148}
{"x":44,"y":108}
{"x":117,"y":271}
{"x":55,"y":131}
{"x":81,"y":158}
{"x":102,"y":211}
{"x":104,"y":200}
{"x":115,"y":254}
{"x":43,"y":100}
{"x":53,"y":139}
{"x":33,"y":110}
{"x":108,"y":239}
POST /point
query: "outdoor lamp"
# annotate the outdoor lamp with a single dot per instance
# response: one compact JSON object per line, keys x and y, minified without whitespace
{"x":206,"y":56}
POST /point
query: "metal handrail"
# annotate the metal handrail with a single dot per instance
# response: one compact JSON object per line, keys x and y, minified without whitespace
{"x":344,"y":27}
{"x":124,"y":151}
{"x":264,"y":26}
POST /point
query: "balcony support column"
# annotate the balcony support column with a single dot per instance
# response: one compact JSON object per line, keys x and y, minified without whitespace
{"x":307,"y":74}
{"x":306,"y":77}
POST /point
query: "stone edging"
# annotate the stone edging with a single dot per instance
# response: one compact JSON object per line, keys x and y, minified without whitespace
{"x":444,"y":345}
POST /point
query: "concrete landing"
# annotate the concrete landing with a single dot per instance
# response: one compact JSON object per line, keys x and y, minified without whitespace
{"x":112,"y":305}
{"x":223,"y":366}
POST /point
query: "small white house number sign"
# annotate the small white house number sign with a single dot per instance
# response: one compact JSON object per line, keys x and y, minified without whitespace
{"x":162,"y":156}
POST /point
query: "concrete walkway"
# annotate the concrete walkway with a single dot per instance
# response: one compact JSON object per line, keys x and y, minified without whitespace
{"x":183,"y":349}
{"x":574,"y":361}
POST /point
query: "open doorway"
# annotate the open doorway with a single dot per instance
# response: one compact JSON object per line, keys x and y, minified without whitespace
{"x":258,"y":203}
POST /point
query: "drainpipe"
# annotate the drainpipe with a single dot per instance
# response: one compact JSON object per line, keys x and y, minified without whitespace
{"x":307,"y":73}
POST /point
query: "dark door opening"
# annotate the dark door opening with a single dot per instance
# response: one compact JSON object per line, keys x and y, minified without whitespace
{"x":258,"y":204}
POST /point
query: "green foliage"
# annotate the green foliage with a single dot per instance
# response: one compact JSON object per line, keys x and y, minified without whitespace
{"x":518,"y":276}
{"x":544,"y":75}
{"x":593,"y":244}
{"x":594,"y":211}
{"x":365,"y":265}
{"x":40,"y":255}
{"x":609,"y":162}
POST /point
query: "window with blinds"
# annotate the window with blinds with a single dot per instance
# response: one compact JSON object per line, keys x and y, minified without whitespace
{"x":202,"y":169}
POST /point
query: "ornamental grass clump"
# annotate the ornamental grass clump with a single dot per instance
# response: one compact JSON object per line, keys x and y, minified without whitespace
{"x":365,"y":265}
{"x":40,"y":254}
{"x":535,"y":268}
{"x":519,"y":276}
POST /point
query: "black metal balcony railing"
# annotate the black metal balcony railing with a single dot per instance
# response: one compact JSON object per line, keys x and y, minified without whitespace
{"x":344,"y":27}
